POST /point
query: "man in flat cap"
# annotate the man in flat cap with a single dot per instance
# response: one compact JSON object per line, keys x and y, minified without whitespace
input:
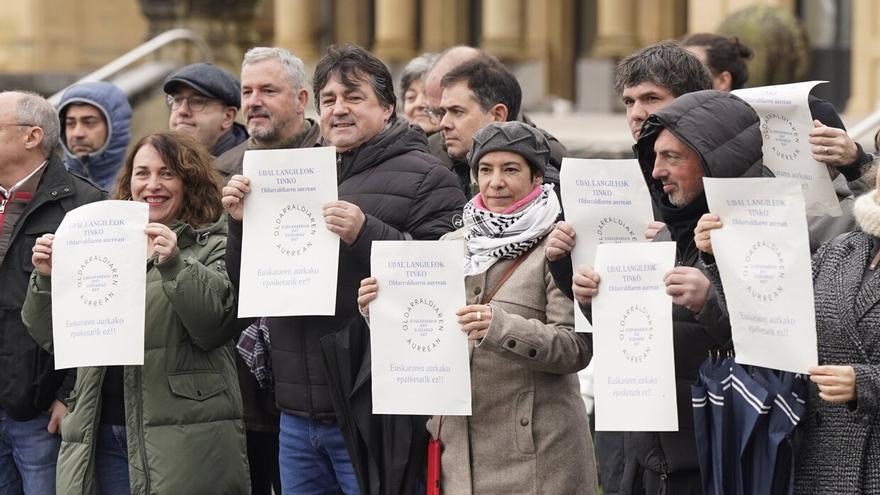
{"x":204,"y":100}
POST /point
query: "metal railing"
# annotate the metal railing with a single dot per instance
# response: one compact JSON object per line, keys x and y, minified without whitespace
{"x":151,"y":46}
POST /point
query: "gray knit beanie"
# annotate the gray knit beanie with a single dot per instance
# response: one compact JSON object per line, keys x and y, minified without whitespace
{"x":516,"y":137}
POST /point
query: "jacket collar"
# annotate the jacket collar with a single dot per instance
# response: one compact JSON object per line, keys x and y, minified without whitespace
{"x":56,"y":184}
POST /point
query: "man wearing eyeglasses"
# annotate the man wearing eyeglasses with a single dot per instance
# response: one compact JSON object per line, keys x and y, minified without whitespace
{"x":204,"y":101}
{"x":95,"y":119}
{"x":35,"y":194}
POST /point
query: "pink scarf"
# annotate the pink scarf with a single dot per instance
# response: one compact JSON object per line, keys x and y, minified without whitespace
{"x":478,"y":201}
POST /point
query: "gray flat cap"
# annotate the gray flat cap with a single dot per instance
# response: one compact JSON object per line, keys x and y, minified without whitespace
{"x":208,"y":80}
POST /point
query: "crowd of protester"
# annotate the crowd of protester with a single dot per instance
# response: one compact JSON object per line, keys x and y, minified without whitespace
{"x":450,"y":155}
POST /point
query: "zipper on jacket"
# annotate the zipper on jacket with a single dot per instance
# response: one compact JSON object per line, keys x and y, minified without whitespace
{"x":305,"y":365}
{"x":96,"y":423}
{"x":140,"y":427}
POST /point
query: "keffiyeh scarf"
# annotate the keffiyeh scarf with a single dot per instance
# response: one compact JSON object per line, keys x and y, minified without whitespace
{"x":494,"y":236}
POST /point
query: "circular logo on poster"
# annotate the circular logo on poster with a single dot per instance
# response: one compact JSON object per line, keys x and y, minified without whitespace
{"x":613,"y":229}
{"x":763,"y":270}
{"x":295,"y":226}
{"x":780,"y":133}
{"x":636,"y":333}
{"x":96,"y":280}
{"x":423,"y":324}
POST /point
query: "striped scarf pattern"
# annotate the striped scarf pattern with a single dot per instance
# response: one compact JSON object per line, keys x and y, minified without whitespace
{"x":493,"y":236}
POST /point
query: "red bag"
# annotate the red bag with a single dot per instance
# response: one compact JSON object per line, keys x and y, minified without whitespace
{"x":435,"y":449}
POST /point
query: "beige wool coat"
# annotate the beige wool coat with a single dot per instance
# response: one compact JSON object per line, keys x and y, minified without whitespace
{"x":528,"y":433}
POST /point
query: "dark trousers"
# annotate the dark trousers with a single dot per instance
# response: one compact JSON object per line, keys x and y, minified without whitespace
{"x":678,"y":483}
{"x":262,"y":451}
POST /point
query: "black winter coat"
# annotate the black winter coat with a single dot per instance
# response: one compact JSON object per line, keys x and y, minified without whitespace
{"x":404,"y":193}
{"x":724,"y":131}
{"x":28,"y":380}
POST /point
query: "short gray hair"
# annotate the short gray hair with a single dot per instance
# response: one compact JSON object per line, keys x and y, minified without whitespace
{"x":33,"y":109}
{"x":416,"y":69}
{"x":291,"y":64}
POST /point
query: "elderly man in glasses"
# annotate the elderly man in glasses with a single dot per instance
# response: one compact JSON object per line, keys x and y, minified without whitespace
{"x":204,"y":101}
{"x":95,"y":119}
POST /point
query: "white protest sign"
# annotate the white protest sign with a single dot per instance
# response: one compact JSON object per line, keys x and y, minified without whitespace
{"x":99,"y":285}
{"x":419,"y":355}
{"x":289,"y":260}
{"x":763,"y":254}
{"x":605,"y":201}
{"x":786,"y":122}
{"x":633,"y":347}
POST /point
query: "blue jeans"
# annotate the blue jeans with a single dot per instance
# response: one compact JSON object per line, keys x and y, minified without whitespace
{"x":313,"y":459}
{"x":111,"y":460}
{"x":28,"y":454}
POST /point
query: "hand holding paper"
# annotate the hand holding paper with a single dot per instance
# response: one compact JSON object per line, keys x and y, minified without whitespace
{"x":837,"y":384}
{"x":475,"y":320}
{"x":832,"y":146}
{"x":653,"y":228}
{"x":585,"y":284}
{"x":702,"y":233}
{"x":42,"y":257}
{"x":560,"y":242}
{"x":233,"y":196}
{"x":366,"y":294}
{"x":687,"y":286}
{"x":344,"y":219}
{"x":162,"y":240}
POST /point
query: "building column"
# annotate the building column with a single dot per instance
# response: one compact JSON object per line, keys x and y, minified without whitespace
{"x":351,"y":22}
{"x":502,"y":28}
{"x":295,"y":23}
{"x":661,"y":20}
{"x":444,"y":24}
{"x":616,"y":29}
{"x":865,"y":75}
{"x":550,"y":41}
{"x":395,"y":23}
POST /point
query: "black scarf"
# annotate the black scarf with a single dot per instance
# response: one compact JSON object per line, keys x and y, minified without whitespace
{"x":681,"y":222}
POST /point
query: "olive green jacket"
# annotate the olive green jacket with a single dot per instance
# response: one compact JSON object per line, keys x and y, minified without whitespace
{"x":183,"y":413}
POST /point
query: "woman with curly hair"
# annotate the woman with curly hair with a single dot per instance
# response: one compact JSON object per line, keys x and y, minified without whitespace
{"x":174,"y":424}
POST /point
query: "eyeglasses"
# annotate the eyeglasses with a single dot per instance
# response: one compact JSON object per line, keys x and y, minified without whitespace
{"x":18,"y":124}
{"x":435,"y":115}
{"x":196,"y":103}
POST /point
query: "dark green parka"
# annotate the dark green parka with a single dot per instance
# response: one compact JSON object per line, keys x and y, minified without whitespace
{"x":183,"y":413}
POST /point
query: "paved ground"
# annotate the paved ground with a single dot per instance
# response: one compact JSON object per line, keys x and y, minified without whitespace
{"x":589,"y":135}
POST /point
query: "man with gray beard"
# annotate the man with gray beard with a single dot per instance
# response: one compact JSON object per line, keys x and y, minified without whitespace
{"x":273,"y":100}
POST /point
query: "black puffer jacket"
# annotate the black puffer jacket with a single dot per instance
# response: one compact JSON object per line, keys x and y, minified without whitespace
{"x":28,"y":380}
{"x":724,"y":131}
{"x":404,"y":192}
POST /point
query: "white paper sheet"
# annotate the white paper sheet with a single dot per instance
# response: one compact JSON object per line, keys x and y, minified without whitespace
{"x":99,"y":257}
{"x":633,"y":350}
{"x":604,"y":201}
{"x":785,"y":126}
{"x":763,"y":255}
{"x":289,"y":260}
{"x":420,"y":362}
